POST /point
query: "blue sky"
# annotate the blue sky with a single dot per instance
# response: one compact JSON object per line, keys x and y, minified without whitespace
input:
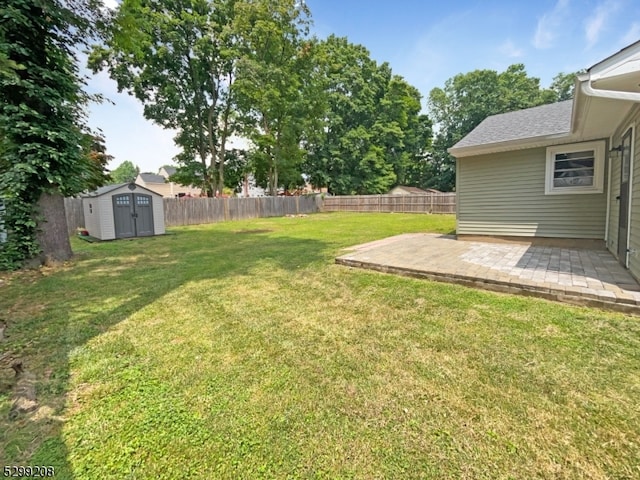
{"x":426,"y":42}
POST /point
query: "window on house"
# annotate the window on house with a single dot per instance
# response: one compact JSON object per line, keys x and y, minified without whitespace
{"x":577,"y":168}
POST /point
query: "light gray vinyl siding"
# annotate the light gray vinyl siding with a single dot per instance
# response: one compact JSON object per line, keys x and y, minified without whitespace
{"x":503,"y":194}
{"x":91,"y":208}
{"x":634,"y":224}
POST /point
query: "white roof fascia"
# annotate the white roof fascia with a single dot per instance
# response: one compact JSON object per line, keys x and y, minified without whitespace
{"x":627,"y":56}
{"x":624,"y":63}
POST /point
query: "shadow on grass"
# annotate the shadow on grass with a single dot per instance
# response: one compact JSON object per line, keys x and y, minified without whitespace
{"x":108,"y":282}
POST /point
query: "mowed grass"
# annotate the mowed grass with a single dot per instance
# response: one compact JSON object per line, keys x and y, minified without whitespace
{"x":240,"y":350}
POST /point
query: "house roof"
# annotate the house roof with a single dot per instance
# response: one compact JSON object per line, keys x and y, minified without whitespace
{"x":542,"y":121}
{"x":603,"y":96}
{"x":152,"y":178}
{"x":170,"y":170}
{"x":622,"y":50}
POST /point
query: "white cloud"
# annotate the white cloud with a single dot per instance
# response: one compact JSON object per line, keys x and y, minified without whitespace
{"x":595,"y":24}
{"x":509,"y":49}
{"x":632,"y":35}
{"x":549,"y":25}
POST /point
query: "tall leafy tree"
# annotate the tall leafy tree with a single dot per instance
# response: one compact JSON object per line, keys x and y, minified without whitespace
{"x":125,"y":172}
{"x":563,"y":84}
{"x":43,"y":150}
{"x":374,"y":135}
{"x":178,"y":58}
{"x":469,"y":98}
{"x":278,"y":91}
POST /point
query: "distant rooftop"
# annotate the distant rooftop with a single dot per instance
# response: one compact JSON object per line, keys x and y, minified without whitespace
{"x":412,"y":190}
{"x":152,"y":178}
{"x":170,"y":170}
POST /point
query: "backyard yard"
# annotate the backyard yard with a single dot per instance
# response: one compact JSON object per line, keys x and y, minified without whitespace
{"x":241,"y":350}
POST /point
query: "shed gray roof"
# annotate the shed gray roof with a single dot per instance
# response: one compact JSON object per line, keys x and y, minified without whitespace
{"x":152,"y":178}
{"x":109,"y":188}
{"x":106,"y":189}
{"x":552,"y":119}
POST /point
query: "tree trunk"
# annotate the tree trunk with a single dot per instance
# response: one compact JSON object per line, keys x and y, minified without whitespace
{"x":53,"y":235}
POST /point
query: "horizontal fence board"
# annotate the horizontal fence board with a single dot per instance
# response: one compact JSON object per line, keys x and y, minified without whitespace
{"x":429,"y":203}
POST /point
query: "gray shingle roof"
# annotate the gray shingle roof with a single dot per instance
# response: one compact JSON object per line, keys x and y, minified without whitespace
{"x":170,"y":170}
{"x":552,"y":119}
{"x":105,"y":189}
{"x":152,"y":178}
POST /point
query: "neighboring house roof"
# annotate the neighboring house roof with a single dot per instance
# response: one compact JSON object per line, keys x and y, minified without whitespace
{"x":109,"y":188}
{"x":152,"y":178}
{"x":542,"y":121}
{"x":169,"y":170}
{"x":411,"y":190}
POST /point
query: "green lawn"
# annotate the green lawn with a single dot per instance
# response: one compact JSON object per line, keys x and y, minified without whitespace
{"x":240,"y":350}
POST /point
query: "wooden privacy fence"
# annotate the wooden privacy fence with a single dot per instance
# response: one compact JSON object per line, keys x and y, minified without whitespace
{"x":193,"y":211}
{"x":75,"y":214}
{"x":430,"y":203}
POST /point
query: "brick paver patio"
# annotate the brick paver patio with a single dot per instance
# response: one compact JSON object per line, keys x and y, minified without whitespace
{"x":583,"y":277}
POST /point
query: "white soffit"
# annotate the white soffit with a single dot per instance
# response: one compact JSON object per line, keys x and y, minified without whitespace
{"x":607,"y":93}
{"x":618,"y":73}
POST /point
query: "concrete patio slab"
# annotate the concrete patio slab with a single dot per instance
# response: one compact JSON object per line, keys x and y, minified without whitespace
{"x":581,"y":277}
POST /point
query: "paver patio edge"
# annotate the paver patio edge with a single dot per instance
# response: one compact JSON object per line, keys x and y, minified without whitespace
{"x":624,"y":305}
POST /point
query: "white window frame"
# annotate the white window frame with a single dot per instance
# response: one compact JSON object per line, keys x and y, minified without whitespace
{"x":598,"y":168}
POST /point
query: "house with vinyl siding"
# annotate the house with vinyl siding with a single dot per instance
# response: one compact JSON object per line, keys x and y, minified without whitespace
{"x":161,"y":184}
{"x":566,"y":173}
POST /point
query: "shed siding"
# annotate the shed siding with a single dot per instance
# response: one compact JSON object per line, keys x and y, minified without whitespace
{"x":92,"y":216}
{"x":503,"y":194}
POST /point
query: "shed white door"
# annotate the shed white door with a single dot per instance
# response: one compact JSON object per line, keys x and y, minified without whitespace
{"x":133,"y":215}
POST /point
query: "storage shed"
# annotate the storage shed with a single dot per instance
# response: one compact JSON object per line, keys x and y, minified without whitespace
{"x":123,"y":211}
